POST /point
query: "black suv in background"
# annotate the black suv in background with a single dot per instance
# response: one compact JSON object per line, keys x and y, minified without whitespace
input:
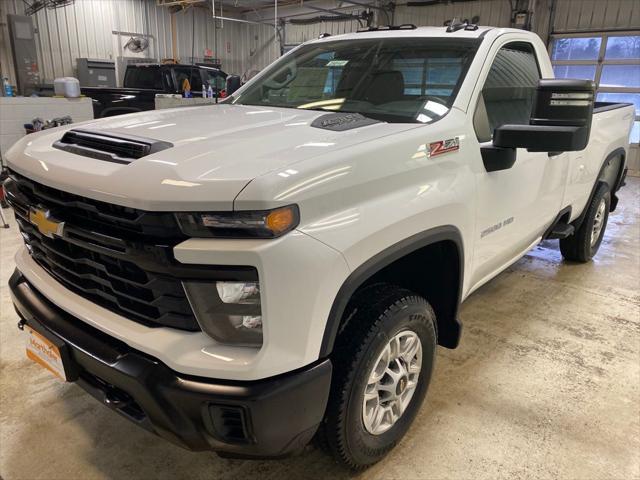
{"x":142,"y":82}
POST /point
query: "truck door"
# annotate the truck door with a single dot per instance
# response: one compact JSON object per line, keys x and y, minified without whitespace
{"x":515,"y":205}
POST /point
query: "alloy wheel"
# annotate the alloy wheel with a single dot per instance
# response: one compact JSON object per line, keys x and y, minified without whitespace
{"x":392,"y":382}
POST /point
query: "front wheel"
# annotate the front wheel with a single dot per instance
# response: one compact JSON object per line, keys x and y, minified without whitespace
{"x":584,"y":243}
{"x":382,"y":367}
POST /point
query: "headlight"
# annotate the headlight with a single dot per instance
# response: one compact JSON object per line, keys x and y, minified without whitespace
{"x":241,"y":224}
{"x":229,"y":312}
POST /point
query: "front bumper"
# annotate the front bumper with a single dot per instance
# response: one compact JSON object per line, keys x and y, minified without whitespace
{"x":264,"y":418}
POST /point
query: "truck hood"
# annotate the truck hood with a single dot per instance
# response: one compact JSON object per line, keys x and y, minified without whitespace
{"x":217,"y":150}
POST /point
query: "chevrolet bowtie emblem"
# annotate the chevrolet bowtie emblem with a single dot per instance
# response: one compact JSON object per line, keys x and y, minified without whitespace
{"x":45,"y":224}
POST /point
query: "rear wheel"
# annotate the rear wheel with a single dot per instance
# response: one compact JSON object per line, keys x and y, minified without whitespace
{"x":383,"y":361}
{"x":584,"y":243}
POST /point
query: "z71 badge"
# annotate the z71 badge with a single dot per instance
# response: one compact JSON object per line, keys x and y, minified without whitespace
{"x":444,"y":146}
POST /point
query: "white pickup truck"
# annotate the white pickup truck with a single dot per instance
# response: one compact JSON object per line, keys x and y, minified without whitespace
{"x":242,"y":277}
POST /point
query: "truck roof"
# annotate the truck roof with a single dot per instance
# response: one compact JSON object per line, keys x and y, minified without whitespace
{"x":172,"y":65}
{"x":434,"y":32}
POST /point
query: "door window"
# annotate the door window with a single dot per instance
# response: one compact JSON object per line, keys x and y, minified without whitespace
{"x":509,"y":90}
{"x":191,"y":74}
{"x":214,"y":79}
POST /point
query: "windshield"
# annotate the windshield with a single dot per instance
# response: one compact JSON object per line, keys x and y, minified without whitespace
{"x":391,"y":79}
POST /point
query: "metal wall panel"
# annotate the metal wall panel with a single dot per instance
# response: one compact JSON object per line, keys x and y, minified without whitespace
{"x":588,"y":15}
{"x":84,"y":30}
{"x":571,"y":15}
{"x":491,"y":12}
{"x":295,"y":34}
{"x":240,"y":46}
{"x":6,"y":62}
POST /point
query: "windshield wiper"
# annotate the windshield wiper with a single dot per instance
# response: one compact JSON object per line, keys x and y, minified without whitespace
{"x":317,"y":109}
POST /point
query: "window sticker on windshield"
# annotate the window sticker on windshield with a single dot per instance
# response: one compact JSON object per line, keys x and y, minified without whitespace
{"x":337,"y":63}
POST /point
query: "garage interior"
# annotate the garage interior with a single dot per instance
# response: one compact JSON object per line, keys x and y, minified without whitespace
{"x":546,"y":380}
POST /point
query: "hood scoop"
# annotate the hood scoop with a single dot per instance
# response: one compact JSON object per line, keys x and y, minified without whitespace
{"x":111,"y":148}
{"x":340,"y":122}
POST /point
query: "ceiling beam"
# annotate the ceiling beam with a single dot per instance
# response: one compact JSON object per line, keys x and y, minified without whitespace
{"x":363,"y":4}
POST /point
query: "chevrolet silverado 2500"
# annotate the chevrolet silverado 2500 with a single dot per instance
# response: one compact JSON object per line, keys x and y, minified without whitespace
{"x":242,"y":277}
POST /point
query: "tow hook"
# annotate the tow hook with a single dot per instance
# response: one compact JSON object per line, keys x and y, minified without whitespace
{"x":114,"y":399}
{"x":21,"y":324}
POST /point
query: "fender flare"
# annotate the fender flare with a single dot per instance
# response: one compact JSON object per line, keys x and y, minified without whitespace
{"x":622,"y":153}
{"x":383,"y":259}
{"x":599,"y":179}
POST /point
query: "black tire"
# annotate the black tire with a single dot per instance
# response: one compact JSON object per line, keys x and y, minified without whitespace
{"x":375,"y":315}
{"x":579,"y":246}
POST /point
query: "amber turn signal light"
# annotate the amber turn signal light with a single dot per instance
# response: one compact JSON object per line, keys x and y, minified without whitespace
{"x":280,"y":220}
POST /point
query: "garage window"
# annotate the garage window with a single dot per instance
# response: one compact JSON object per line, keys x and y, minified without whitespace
{"x":612,"y":60}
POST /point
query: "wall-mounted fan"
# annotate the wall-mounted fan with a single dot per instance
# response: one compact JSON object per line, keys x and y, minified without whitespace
{"x":137,"y":44}
{"x":59,"y":3}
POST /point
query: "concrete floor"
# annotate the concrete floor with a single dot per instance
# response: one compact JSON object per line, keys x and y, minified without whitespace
{"x":546,"y":384}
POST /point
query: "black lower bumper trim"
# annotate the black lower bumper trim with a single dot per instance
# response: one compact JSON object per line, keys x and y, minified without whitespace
{"x":265,"y":418}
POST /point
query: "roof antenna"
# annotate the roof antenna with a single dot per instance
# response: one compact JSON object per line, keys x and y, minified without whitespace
{"x":454,"y":25}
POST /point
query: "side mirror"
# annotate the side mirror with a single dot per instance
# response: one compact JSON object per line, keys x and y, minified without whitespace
{"x":233,"y":84}
{"x":560,"y":122}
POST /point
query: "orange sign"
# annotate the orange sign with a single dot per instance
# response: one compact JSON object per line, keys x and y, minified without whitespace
{"x":44,"y":353}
